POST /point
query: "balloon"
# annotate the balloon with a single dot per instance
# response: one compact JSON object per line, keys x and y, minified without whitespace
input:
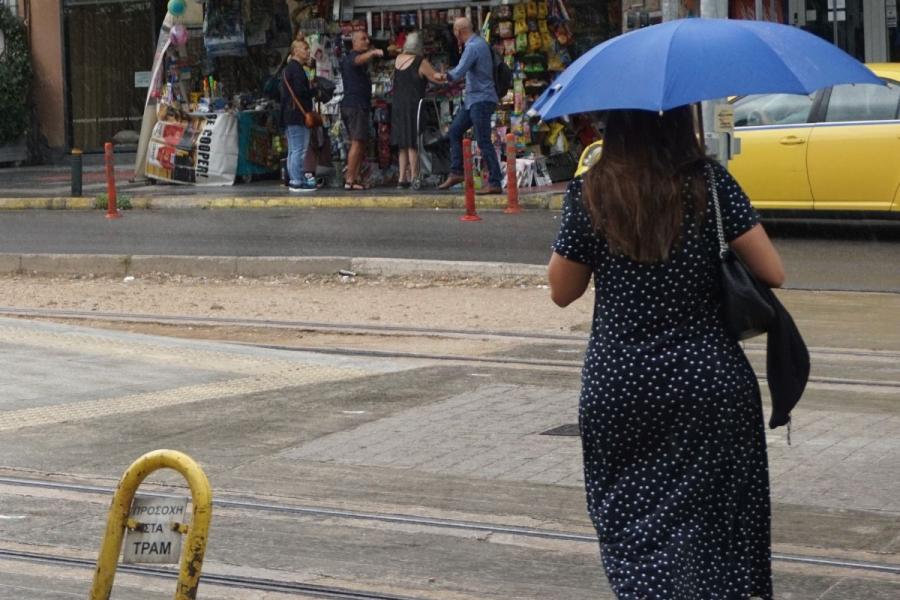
{"x":179,"y":36}
{"x":177,"y":7}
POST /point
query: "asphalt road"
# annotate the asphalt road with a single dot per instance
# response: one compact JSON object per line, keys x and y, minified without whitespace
{"x":827,"y":255}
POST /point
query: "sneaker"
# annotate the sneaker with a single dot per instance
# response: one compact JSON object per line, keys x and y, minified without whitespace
{"x":311,"y":182}
{"x":301,"y":188}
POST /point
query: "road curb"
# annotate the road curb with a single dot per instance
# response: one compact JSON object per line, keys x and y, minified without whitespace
{"x":536,"y":201}
{"x":255,"y":266}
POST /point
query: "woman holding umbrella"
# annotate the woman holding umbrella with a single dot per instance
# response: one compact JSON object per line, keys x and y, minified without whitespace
{"x":671,"y":419}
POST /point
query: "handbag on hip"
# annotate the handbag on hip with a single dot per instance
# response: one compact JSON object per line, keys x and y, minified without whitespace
{"x":310,"y":117}
{"x":746,"y":312}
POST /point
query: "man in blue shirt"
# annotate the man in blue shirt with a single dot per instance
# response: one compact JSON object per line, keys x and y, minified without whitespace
{"x":477,"y":65}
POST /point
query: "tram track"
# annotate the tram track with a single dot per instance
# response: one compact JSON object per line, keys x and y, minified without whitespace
{"x":411,"y":520}
{"x":389,"y":330}
{"x":350,"y":329}
{"x":231,"y":581}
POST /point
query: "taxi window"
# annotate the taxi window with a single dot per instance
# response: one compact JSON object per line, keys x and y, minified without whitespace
{"x":772,"y":109}
{"x":863,"y":102}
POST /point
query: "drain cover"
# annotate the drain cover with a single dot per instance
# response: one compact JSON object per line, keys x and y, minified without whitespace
{"x":570,"y":429}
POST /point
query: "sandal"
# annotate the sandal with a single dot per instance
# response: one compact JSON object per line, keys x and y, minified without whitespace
{"x":353,"y":186}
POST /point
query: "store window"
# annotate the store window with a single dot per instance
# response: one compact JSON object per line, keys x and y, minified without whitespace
{"x":108,"y":42}
{"x":772,"y":109}
{"x":863,"y":103}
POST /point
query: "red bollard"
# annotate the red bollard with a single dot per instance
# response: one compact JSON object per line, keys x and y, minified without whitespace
{"x":112,"y":210}
{"x":470,"y":183}
{"x":512,"y":180}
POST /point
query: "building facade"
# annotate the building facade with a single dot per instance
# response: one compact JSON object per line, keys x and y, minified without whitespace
{"x":90,"y":56}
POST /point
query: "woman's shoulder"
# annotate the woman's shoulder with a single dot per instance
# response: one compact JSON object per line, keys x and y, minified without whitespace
{"x":575,"y":186}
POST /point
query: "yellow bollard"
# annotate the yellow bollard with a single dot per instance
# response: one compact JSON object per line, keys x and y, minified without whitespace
{"x":197,"y":531}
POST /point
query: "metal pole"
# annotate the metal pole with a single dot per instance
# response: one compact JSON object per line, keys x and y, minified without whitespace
{"x":512,"y":181}
{"x":197,"y":531}
{"x":669,"y":10}
{"x":77,"y":156}
{"x":716,"y":143}
{"x":834,"y":22}
{"x":470,"y":215}
{"x":112,"y":208}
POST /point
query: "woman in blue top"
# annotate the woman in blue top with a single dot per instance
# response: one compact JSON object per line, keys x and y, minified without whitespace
{"x":671,"y":422}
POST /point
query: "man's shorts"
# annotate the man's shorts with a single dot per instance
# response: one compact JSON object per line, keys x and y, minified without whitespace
{"x":356,"y":121}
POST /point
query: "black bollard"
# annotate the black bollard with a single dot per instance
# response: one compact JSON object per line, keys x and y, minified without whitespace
{"x":76,"y":172}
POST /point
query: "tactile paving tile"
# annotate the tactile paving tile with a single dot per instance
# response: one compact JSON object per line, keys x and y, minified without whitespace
{"x":295,"y":376}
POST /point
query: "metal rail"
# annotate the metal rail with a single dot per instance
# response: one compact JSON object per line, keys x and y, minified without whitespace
{"x":415,"y":331}
{"x":231,"y":581}
{"x":423,"y":521}
{"x":376,"y":329}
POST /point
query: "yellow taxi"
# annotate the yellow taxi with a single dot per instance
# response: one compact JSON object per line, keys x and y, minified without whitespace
{"x":835,"y":150}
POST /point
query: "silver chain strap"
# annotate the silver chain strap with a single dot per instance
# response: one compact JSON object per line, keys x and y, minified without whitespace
{"x":723,"y":247}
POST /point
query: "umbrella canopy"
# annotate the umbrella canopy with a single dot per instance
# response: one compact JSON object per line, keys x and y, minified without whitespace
{"x":689,"y":60}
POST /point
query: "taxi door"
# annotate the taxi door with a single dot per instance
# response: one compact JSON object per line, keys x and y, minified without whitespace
{"x":774,"y":133}
{"x":854,"y":154}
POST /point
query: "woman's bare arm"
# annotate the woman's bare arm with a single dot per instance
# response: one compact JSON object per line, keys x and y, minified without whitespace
{"x":428,"y":72}
{"x":756,"y":250}
{"x":568,"y":279}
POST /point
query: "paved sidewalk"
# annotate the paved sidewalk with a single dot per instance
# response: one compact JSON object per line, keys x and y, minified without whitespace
{"x":400,"y":436}
{"x":49,"y":187}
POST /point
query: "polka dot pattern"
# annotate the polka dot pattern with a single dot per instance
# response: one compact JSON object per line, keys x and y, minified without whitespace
{"x":675,"y":465}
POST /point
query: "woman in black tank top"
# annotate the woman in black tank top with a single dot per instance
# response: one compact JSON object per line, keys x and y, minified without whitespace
{"x":411,"y":70}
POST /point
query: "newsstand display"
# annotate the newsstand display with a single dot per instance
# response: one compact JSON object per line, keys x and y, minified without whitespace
{"x":537,"y":40}
{"x":212,"y":115}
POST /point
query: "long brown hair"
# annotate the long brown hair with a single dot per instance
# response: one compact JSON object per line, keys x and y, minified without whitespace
{"x":635,"y":192}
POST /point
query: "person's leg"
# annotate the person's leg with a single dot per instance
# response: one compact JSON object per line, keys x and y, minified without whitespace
{"x":295,"y":158}
{"x":481,"y":125}
{"x":413,"y":163}
{"x":303,"y":145}
{"x":458,"y":129}
{"x":350,"y":118}
{"x":403,"y":156}
{"x":354,"y":158}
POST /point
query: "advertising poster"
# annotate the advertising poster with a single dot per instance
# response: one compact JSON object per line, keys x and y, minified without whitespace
{"x":197,"y":149}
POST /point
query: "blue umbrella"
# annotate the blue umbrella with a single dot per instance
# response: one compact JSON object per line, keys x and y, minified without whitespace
{"x":689,"y":60}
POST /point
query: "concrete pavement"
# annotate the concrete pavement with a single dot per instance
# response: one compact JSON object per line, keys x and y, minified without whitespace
{"x":413,"y":437}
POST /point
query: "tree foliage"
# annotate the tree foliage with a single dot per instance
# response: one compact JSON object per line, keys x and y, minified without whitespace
{"x":15,"y":77}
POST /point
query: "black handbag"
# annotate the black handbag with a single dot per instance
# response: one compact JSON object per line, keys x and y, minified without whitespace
{"x":745,"y":310}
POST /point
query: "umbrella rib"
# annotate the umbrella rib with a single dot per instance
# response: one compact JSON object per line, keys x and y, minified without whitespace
{"x":769,"y":49}
{"x":665,"y":60}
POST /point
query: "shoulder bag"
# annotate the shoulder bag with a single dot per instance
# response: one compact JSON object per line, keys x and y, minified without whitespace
{"x":746,"y":312}
{"x":310,"y":117}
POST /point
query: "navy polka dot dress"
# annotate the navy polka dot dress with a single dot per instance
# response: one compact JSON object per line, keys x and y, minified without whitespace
{"x":671,"y":419}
